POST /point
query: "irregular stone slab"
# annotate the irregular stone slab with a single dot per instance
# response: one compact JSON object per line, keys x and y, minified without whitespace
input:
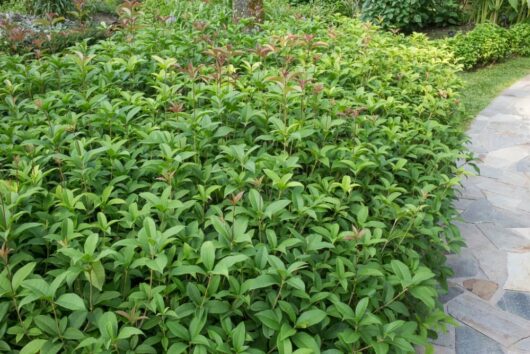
{"x":482,"y":288}
{"x":504,"y":238}
{"x":517,"y":303}
{"x":446,"y":339}
{"x":464,"y":265}
{"x":518,"y":272}
{"x":469,"y":341}
{"x":495,"y":137}
{"x":493,"y":262}
{"x":452,"y":292}
{"x":516,"y":190}
{"x":524,"y":165}
{"x":462,"y":204}
{"x":501,"y":326}
{"x":482,"y":211}
{"x":504,"y":202}
{"x":525,"y":232}
{"x":506,"y":157}
{"x":500,"y":106}
{"x":518,"y":179}
{"x":468,"y":190}
{"x":523,"y":345}
{"x":491,"y":172}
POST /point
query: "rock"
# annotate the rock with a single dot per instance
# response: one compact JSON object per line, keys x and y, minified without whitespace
{"x":482,"y":288}
{"x":517,"y":303}
{"x":469,"y":341}
{"x":502,"y":327}
{"x":518,"y":272}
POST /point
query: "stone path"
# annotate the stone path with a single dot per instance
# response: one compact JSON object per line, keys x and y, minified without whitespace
{"x":490,"y":291}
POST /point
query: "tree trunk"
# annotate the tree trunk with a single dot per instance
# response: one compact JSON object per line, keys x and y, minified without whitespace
{"x":248,"y":9}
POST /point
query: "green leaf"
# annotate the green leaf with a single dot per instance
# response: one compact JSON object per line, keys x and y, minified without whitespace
{"x":178,"y":330}
{"x":380,"y":348}
{"x":310,"y":318}
{"x":275,"y":207}
{"x":402,"y":271}
{"x":361,"y":307}
{"x":362,"y":215}
{"x":262,"y":281}
{"x":71,"y":301}
{"x":46,"y":323}
{"x":177,"y":348}
{"x":225,"y":264}
{"x":150,"y":228}
{"x":304,"y":340}
{"x":425,"y":294}
{"x":158,"y":264}
{"x":421,"y":275}
{"x":393,"y":326}
{"x":33,"y":347}
{"x":269,"y":319}
{"x":91,"y":243}
{"x":285,"y":346}
{"x":127,"y":332}
{"x":22,"y":274}
{"x":208,"y":254}
{"x":370,"y":270}
{"x":96,"y":276}
{"x":108,"y":325}
{"x":238,"y":337}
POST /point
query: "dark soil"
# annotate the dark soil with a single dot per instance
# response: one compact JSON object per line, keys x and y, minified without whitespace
{"x":439,"y":33}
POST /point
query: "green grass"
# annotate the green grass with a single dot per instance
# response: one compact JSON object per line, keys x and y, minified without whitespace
{"x":483,"y":85}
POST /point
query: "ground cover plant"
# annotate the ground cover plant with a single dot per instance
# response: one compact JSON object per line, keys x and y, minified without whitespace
{"x":190,"y":186}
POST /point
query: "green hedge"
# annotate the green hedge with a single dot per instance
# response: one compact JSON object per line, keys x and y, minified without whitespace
{"x":520,"y":34}
{"x":411,"y":15}
{"x":192,"y":186}
{"x":489,"y":43}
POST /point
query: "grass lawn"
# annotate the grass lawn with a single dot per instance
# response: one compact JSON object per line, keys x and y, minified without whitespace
{"x":483,"y":85}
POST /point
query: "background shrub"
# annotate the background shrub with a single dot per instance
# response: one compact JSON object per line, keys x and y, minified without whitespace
{"x":520,"y":34}
{"x":486,"y":43}
{"x":411,"y":14}
{"x":193,"y":187}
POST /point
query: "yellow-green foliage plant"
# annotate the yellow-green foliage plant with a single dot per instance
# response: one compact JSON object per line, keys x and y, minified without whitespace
{"x":189,"y":186}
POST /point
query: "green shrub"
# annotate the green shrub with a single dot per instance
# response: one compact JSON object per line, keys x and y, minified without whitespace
{"x":411,"y":14}
{"x":194,"y":187}
{"x":485,"y":44}
{"x":521,"y":39}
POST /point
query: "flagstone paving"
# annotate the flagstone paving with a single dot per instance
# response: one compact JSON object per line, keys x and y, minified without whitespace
{"x":490,"y":291}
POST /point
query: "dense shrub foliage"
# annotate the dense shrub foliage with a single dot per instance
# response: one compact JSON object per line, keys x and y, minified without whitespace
{"x":412,"y":14}
{"x":489,"y":43}
{"x":520,"y":36}
{"x":194,"y":187}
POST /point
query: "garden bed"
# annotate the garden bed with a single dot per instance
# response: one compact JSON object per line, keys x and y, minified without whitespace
{"x":192,"y":186}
